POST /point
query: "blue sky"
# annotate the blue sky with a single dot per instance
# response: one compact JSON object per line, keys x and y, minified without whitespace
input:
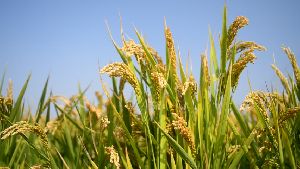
{"x":69,"y":39}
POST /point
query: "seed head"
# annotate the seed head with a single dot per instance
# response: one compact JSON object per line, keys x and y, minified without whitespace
{"x":104,"y":122}
{"x":233,"y":148}
{"x":53,"y":126}
{"x":237,"y":24}
{"x":172,"y":53}
{"x":118,"y":69}
{"x":10,"y":90}
{"x":257,"y":97}
{"x":113,"y":156}
{"x":93,"y":109}
{"x":159,"y":82}
{"x":23,"y":126}
{"x":6,"y":104}
{"x":295,"y":66}
{"x":130,"y":48}
{"x":129,"y":107}
{"x":282,"y":78}
{"x":190,"y":83}
{"x":158,"y":79}
{"x":36,"y":167}
{"x":290,"y":113}
{"x":239,"y":66}
{"x":204,"y":67}
{"x":180,"y":124}
{"x":155,"y":55}
{"x":244,"y":45}
{"x":259,"y":100}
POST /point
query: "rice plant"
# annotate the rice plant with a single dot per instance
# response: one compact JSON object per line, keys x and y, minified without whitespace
{"x":174,"y":120}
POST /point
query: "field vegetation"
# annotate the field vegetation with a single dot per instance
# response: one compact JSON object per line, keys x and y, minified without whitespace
{"x":172,"y":121}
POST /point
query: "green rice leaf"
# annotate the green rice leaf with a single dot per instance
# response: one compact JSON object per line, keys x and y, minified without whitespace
{"x":224,"y":42}
{"x":213,"y":55}
{"x":244,"y":149}
{"x":148,"y":54}
{"x":16,"y":113}
{"x":40,"y":108}
{"x":179,"y":149}
{"x":237,"y":114}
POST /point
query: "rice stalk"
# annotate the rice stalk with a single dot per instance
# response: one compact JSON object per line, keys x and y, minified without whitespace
{"x":294,"y":64}
{"x":282,"y":78}
{"x":172,"y":54}
{"x":178,"y":123}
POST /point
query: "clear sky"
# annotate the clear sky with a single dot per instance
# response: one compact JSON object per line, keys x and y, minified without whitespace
{"x":68,"y":38}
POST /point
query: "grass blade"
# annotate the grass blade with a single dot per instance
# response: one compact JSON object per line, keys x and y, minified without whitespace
{"x":2,"y":82}
{"x":213,"y":55}
{"x":16,"y":113}
{"x":224,"y":42}
{"x":40,"y":108}
{"x":179,"y":149}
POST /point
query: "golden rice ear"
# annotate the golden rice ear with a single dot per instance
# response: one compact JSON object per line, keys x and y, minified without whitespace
{"x":172,"y":53}
{"x":130,"y":48}
{"x":180,"y":124}
{"x":158,"y":81}
{"x":237,"y":24}
{"x":293,"y":61}
{"x":23,"y":126}
{"x":155,"y":55}
{"x":129,"y":107}
{"x":6,"y":103}
{"x":113,"y":156}
{"x":119,"y":69}
{"x":244,"y":45}
{"x":99,"y":99}
{"x":189,"y":84}
{"x":104,"y":122}
{"x":239,"y":66}
{"x":10,"y":89}
{"x":53,"y":126}
{"x":290,"y":113}
{"x":254,"y":99}
{"x":282,"y":78}
{"x":204,"y":65}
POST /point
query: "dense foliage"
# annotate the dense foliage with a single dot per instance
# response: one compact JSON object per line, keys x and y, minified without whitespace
{"x":173,"y":121}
